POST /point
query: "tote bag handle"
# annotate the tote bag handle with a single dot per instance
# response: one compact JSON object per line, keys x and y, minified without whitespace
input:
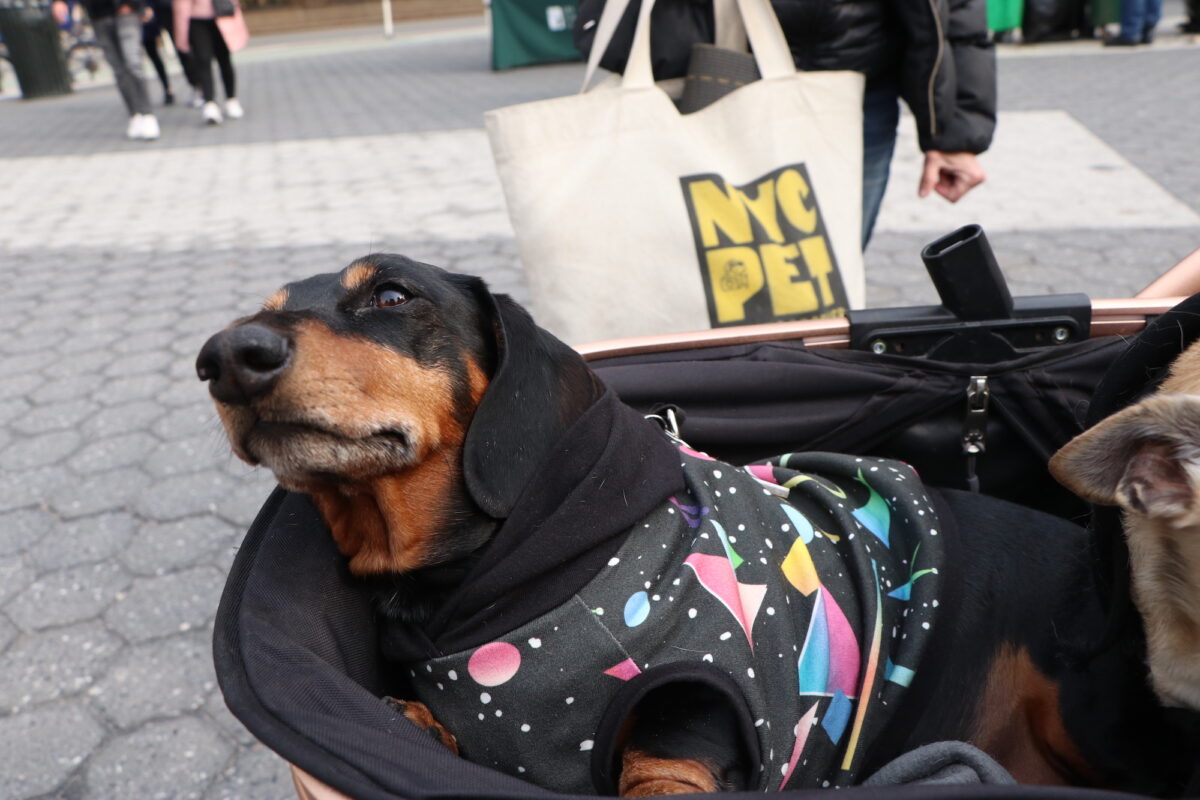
{"x":729,"y":33}
{"x":766,"y":37}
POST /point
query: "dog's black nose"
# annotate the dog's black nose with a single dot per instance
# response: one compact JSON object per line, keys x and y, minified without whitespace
{"x":243,"y":363}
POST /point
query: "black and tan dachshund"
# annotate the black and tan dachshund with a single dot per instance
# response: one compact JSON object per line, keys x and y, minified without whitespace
{"x":451,"y":446}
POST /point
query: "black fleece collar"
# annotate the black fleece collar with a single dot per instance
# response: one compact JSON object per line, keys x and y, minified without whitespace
{"x":610,"y":469}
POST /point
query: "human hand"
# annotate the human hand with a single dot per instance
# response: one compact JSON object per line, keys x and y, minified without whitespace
{"x":951,"y":175}
{"x":60,"y":11}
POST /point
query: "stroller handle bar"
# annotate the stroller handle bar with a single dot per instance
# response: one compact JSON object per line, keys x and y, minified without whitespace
{"x":1112,"y":317}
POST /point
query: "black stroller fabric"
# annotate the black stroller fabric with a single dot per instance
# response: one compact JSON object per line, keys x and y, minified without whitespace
{"x":748,"y":402}
{"x":297,"y":650}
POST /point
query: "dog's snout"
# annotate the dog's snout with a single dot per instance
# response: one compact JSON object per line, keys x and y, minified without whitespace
{"x":243,"y":363}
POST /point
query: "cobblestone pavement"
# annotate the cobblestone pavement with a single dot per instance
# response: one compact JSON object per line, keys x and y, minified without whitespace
{"x":120,"y":508}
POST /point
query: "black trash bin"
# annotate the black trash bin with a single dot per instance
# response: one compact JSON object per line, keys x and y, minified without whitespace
{"x":34,"y":47}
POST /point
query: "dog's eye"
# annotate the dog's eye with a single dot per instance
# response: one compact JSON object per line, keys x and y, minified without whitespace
{"x":388,"y":296}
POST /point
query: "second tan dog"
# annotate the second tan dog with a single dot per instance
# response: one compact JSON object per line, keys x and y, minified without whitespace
{"x":1146,"y":460}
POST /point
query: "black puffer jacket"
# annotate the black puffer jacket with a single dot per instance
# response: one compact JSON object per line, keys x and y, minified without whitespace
{"x":937,"y":51}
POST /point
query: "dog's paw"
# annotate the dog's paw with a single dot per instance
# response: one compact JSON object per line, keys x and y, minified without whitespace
{"x":419,"y":715}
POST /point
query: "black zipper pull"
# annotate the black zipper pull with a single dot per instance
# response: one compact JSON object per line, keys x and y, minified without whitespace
{"x":974,"y":439}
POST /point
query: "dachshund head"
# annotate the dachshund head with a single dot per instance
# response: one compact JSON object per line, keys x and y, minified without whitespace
{"x":410,"y":403}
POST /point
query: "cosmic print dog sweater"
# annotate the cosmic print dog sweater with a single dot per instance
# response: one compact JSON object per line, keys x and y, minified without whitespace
{"x":804,"y":588}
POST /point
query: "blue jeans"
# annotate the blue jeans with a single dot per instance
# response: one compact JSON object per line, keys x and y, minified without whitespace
{"x":881,"y":115}
{"x":1139,"y":16}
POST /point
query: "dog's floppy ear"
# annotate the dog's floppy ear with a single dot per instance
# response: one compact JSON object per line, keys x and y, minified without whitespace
{"x":538,"y":388}
{"x":1145,"y":458}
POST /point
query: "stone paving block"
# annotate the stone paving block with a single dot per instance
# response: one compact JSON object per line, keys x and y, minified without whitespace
{"x":106,"y":491}
{"x":54,"y":416}
{"x":8,"y":632}
{"x":139,"y":363}
{"x":153,"y":321}
{"x":137,"y":343}
{"x":84,"y":540}
{"x":169,"y":760}
{"x":18,"y":365}
{"x":197,"y":325}
{"x":22,"y":529}
{"x":159,"y":679}
{"x":30,"y":487}
{"x":12,"y":319}
{"x":54,"y":664}
{"x":88,"y":360}
{"x":161,"y":547}
{"x":187,"y":421}
{"x":166,"y":605}
{"x":12,"y":408}
{"x":106,"y":322}
{"x":42,"y":747}
{"x":125,"y":417}
{"x":74,"y":387}
{"x":31,"y":343}
{"x":89,"y":348}
{"x":187,"y":495}
{"x":184,"y":392}
{"x":186,"y":456}
{"x":40,"y":450}
{"x":67,"y":596}
{"x":19,"y":386}
{"x":257,"y":772}
{"x":114,"y":451}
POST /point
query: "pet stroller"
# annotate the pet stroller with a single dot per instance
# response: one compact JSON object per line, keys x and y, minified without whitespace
{"x":975,"y":393}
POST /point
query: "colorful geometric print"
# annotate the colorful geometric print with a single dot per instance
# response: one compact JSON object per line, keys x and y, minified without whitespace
{"x":817,"y":607}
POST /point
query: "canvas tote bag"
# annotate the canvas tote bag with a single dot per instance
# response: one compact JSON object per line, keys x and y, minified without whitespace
{"x":632,"y":218}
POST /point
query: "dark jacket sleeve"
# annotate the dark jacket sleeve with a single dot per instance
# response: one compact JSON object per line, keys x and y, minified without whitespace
{"x":948,"y":73}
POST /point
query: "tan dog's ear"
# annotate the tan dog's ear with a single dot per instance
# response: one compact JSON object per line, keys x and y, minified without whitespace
{"x":1145,"y":458}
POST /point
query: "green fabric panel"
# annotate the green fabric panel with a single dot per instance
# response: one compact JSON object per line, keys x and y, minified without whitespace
{"x":1106,"y":12}
{"x":532,"y":32}
{"x":1004,"y":15}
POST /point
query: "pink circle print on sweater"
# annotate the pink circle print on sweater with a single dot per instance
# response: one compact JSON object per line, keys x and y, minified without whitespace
{"x":494,"y":664}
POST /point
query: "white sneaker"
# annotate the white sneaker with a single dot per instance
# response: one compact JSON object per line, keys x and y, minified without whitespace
{"x":233,"y":109}
{"x":212,"y":113}
{"x":134,"y":129}
{"x":150,"y":129}
{"x":197,"y":100}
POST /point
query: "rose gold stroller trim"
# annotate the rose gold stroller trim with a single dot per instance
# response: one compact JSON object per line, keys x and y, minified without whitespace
{"x":1124,"y":316}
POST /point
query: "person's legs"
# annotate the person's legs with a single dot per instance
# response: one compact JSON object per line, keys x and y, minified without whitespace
{"x":129,"y":36}
{"x":1192,"y":24}
{"x":105,"y":31}
{"x":150,"y":45}
{"x":1133,"y":13}
{"x":1151,"y":18}
{"x":167,"y":20}
{"x":225,"y":63}
{"x":200,"y":40}
{"x":881,"y":116}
